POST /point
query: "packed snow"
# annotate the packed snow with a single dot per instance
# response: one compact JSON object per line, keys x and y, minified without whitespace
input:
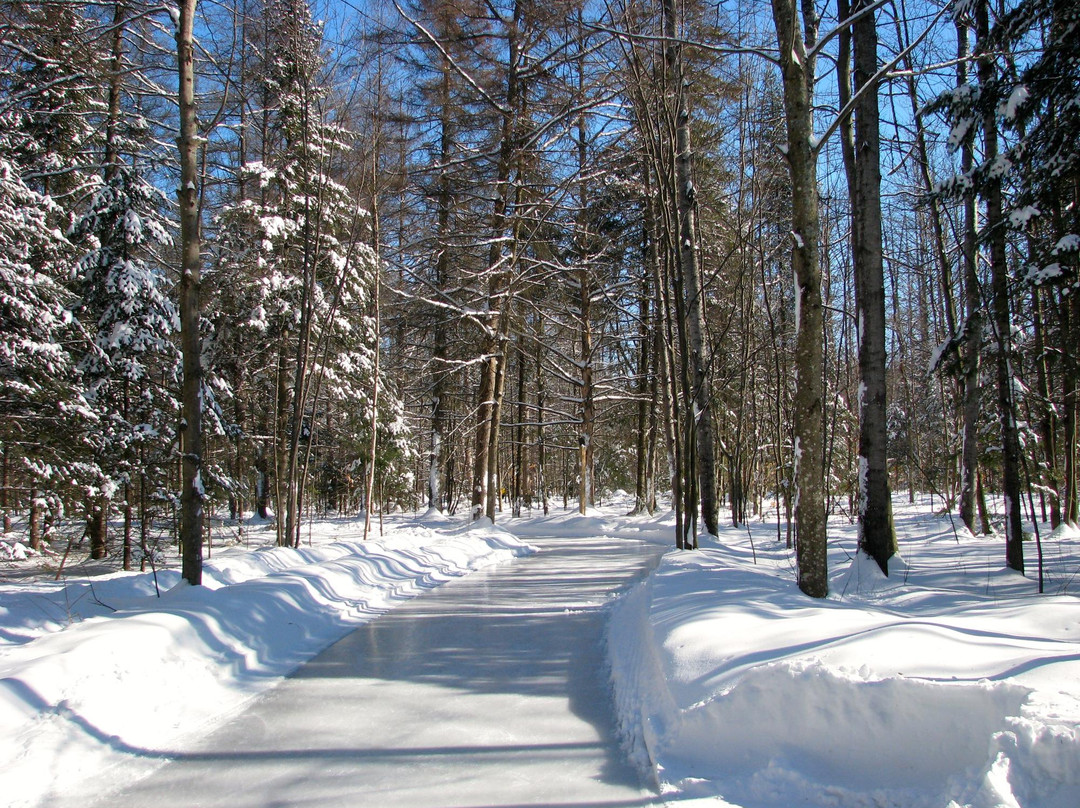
{"x":951,"y":683}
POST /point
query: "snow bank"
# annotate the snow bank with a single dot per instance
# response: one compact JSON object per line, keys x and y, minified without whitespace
{"x":80,"y":692}
{"x":942,"y":685}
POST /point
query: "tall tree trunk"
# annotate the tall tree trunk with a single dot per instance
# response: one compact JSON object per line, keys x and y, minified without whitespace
{"x":376,"y":245}
{"x":116,"y":78}
{"x":1047,"y":417}
{"x":34,"y":520}
{"x":442,"y":275}
{"x":971,"y":351}
{"x":798,"y":79}
{"x":541,"y":404}
{"x":995,"y":226}
{"x":699,"y":406}
{"x":485,"y":462}
{"x":665,"y":360}
{"x":877,"y":536}
{"x":521,"y":455}
{"x":1070,"y":421}
{"x":644,"y":432}
{"x":192,"y":492}
{"x":281,"y":431}
{"x":588,"y":410}
{"x":4,"y":493}
{"x":494,"y":487}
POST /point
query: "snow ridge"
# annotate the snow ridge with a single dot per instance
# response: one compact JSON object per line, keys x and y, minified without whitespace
{"x":643,"y":704}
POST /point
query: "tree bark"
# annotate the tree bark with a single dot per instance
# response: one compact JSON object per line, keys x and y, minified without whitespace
{"x":192,"y":492}
{"x":1070,"y":421}
{"x":877,"y":537}
{"x":645,"y":408}
{"x":700,"y":414}
{"x":973,"y":325}
{"x":798,"y":78}
{"x":498,"y":302}
{"x":995,"y":225}
{"x":97,"y":526}
{"x":442,"y":275}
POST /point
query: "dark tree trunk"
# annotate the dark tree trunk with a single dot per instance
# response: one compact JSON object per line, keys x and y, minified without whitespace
{"x":192,"y":494}
{"x":971,"y":349}
{"x":995,"y":226}
{"x":1047,"y":417}
{"x":442,"y":274}
{"x":485,"y":460}
{"x":97,"y":526}
{"x":34,"y":518}
{"x":877,"y":537}
{"x":642,"y":499}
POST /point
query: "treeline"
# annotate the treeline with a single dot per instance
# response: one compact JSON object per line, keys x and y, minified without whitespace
{"x":490,"y":255}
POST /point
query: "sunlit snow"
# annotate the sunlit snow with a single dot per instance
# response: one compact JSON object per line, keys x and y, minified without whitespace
{"x":950,"y":683}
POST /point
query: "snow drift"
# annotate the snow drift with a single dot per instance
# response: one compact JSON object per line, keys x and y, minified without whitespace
{"x":937,"y":686}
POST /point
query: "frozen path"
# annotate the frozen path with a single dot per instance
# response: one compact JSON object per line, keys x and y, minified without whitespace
{"x":489,"y":691}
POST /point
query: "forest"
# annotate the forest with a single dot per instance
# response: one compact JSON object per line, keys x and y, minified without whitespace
{"x":288,"y":259}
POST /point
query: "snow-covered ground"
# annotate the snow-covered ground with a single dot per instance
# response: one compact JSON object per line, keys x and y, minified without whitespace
{"x":97,"y":670}
{"x":951,"y":682}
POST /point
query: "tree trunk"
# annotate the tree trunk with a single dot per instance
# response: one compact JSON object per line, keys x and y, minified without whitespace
{"x":192,"y":492}
{"x":665,"y":360}
{"x":644,"y":432}
{"x":34,"y":520}
{"x":798,"y":78}
{"x":1070,"y":421}
{"x":442,"y":278}
{"x":1047,"y":417}
{"x":128,"y":524}
{"x":995,"y":225}
{"x":877,"y":537}
{"x":494,"y":485}
{"x":541,"y":444}
{"x":700,"y":415}
{"x":973,"y":325}
{"x":588,"y":410}
{"x":5,"y":504}
{"x":97,"y":526}
{"x":116,"y":76}
{"x":484,"y":461}
{"x":520,"y":454}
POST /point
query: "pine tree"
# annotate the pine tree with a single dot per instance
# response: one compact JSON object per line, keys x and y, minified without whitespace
{"x":44,"y":417}
{"x":131,"y":324}
{"x":1040,"y":103}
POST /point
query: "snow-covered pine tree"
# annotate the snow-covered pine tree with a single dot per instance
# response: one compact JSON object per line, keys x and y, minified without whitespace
{"x":47,"y":103}
{"x":132,"y":323}
{"x":1039,"y":102}
{"x":44,"y":418}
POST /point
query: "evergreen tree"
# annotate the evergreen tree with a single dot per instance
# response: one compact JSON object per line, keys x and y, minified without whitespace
{"x":44,"y":417}
{"x":131,"y":324}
